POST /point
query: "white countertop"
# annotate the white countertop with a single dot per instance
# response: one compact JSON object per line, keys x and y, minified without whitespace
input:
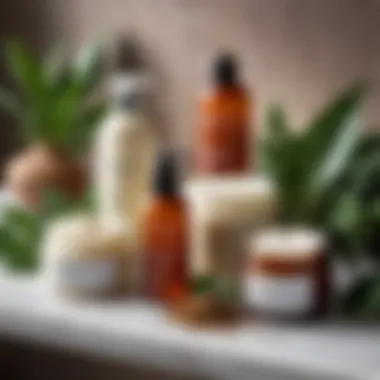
{"x":132,"y":331}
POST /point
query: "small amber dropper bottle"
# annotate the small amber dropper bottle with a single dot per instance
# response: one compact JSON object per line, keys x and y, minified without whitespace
{"x":223,"y":133}
{"x":164,"y":236}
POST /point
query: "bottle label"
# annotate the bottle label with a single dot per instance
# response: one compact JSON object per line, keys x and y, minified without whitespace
{"x":88,"y":274}
{"x":272,"y":294}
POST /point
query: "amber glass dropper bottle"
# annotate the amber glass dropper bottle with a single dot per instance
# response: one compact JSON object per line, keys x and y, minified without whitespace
{"x":223,"y":135}
{"x":164,"y":236}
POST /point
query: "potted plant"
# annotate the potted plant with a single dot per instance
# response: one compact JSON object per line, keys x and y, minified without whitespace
{"x":311,"y":168}
{"x":56,"y":112}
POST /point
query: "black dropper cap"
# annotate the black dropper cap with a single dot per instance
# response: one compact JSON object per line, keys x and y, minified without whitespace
{"x":166,"y":179}
{"x":128,"y":56}
{"x":225,"y":69}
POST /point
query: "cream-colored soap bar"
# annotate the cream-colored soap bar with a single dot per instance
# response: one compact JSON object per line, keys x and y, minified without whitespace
{"x":223,"y":212}
{"x":82,"y":258}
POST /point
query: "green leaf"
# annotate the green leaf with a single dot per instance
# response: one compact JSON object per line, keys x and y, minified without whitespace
{"x":54,"y":203}
{"x":356,"y":297}
{"x":22,"y":256}
{"x":88,"y":202}
{"x":341,"y":151}
{"x":88,"y":68}
{"x":20,"y":233}
{"x":284,"y":164}
{"x":10,"y":104}
{"x":345,"y":217}
{"x":92,"y":115}
{"x":277,"y":125}
{"x":5,"y":245}
{"x":323,"y":131}
{"x":26,"y":70}
{"x":366,"y":178}
{"x":333,"y":166}
{"x":23,"y":225}
{"x":87,"y":122}
{"x":55,"y":66}
{"x":273,"y":146}
{"x":363,"y":298}
{"x":222,"y":288}
{"x":368,"y":144}
{"x":63,"y":122}
{"x":203,"y":285}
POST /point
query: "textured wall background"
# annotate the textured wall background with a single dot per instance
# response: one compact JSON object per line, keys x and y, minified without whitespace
{"x":296,"y":52}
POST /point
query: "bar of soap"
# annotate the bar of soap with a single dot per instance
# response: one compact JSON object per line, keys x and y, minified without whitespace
{"x":251,"y":199}
{"x":224,"y":212}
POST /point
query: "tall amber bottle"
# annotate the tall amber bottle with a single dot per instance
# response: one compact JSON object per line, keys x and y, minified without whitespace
{"x":223,"y":136}
{"x":164,"y":236}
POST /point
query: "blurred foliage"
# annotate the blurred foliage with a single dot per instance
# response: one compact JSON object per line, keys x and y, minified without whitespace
{"x":328,"y":177}
{"x":362,"y":300}
{"x":308,"y":167}
{"x":55,"y":103}
{"x":222,"y":288}
{"x":21,"y":230}
{"x":355,"y":230}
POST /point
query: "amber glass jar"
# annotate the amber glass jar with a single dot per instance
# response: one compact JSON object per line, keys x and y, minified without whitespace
{"x":287,"y":275}
{"x":164,"y":237}
{"x":223,"y":136}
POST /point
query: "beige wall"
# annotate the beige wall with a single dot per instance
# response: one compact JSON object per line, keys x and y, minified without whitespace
{"x":296,"y":52}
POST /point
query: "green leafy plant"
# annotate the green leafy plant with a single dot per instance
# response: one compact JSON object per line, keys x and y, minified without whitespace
{"x":308,"y":167}
{"x":355,"y":226}
{"x":21,"y":230}
{"x":328,"y":177}
{"x":55,"y":101}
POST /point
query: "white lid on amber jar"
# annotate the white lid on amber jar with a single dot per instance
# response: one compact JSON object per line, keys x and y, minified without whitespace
{"x":287,"y":243}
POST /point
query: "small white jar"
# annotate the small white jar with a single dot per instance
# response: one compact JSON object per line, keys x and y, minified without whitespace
{"x":82,"y":259}
{"x":286,"y":275}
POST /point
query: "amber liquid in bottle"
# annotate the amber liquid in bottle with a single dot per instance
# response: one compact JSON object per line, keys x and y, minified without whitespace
{"x":164,"y":238}
{"x":223,"y":136}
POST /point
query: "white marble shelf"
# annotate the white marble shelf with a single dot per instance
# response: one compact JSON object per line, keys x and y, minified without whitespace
{"x":132,"y":331}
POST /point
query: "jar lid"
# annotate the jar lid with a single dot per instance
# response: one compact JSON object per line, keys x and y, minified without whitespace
{"x":288,"y":243}
{"x":83,"y":235}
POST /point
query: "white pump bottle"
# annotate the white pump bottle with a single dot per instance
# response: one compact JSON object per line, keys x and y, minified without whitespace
{"x":125,"y":151}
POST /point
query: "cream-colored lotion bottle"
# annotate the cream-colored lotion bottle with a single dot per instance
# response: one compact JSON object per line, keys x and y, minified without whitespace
{"x":125,"y":148}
